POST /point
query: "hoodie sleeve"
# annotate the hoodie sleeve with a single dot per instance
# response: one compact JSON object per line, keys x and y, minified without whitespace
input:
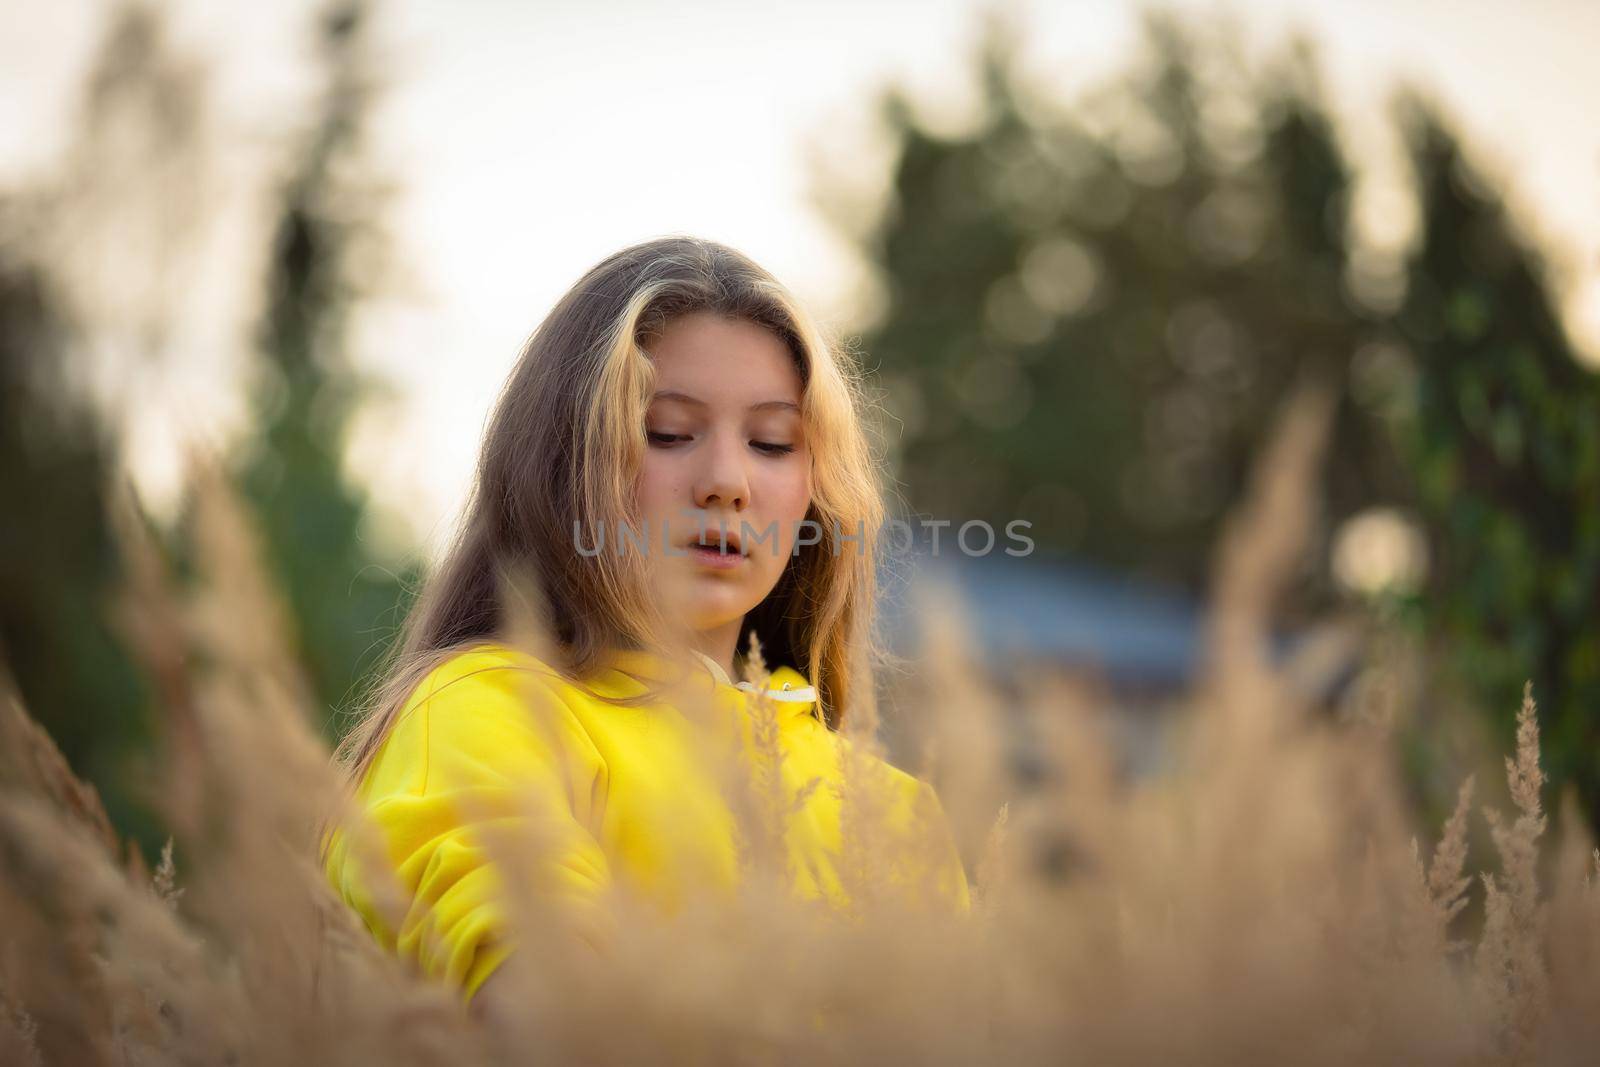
{"x":489,"y":762}
{"x":950,"y":874}
{"x":927,"y":853}
{"x":919,"y":850}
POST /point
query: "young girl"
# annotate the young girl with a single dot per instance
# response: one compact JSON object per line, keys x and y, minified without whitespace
{"x":678,"y":459}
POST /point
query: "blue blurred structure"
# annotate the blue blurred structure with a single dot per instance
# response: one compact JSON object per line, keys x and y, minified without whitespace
{"x":1137,"y":646}
{"x":1034,"y":610}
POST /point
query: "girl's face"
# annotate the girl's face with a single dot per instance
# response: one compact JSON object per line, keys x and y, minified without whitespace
{"x":726,"y":449}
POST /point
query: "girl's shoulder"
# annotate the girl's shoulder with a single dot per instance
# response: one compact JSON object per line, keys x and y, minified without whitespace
{"x":483,"y":707}
{"x":477,"y":665}
{"x":488,"y":682}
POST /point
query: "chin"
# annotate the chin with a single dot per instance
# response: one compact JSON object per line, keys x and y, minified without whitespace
{"x":707,"y":612}
{"x":709,"y":617}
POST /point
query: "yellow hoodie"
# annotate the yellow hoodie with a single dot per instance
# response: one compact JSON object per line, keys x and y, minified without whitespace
{"x":620,"y":796}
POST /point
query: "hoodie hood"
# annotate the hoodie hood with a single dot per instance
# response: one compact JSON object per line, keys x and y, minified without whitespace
{"x":791,"y":690}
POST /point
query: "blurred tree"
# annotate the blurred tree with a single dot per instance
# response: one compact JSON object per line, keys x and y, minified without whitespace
{"x":1093,"y":312}
{"x":131,"y":186}
{"x":1093,"y":309}
{"x":1506,"y":444}
{"x":59,"y":448}
{"x":326,"y":254}
{"x":58,"y":563}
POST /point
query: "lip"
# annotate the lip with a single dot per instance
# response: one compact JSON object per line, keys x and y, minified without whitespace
{"x":714,"y":536}
{"x":708,"y":554}
{"x":712,"y":558}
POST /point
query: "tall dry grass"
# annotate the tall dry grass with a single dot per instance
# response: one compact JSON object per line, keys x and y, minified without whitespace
{"x":1264,"y":899}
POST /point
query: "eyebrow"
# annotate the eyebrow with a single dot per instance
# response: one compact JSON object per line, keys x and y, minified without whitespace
{"x":765,"y":405}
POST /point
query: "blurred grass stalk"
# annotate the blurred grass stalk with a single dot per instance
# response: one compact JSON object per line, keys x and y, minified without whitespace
{"x":1263,"y":900}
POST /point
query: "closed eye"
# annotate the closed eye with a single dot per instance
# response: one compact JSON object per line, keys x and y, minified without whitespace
{"x":772,"y":448}
{"x":665,"y":440}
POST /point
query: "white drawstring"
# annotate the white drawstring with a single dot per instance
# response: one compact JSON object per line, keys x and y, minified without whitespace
{"x":787,"y":693}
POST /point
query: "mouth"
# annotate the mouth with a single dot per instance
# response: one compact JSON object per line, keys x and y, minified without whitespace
{"x":715,"y":547}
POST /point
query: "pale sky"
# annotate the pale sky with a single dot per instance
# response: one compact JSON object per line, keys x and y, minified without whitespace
{"x":528,"y":140}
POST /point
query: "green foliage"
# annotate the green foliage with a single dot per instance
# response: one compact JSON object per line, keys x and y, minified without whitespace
{"x":58,"y":564}
{"x":1506,"y":445}
{"x":1094,"y":314}
{"x":345,"y":601}
{"x":59,"y":570}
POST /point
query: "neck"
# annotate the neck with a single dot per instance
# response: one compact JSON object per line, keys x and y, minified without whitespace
{"x":720,"y":644}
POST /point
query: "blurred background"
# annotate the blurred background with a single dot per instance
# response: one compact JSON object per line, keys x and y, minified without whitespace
{"x":1083,"y":249}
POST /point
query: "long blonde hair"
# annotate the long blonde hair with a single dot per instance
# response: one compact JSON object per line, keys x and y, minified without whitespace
{"x":561,"y":453}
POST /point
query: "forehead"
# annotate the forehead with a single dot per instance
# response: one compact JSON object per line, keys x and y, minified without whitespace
{"x":723,"y":360}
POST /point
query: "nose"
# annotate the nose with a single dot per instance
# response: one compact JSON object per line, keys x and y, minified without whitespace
{"x":721,"y":479}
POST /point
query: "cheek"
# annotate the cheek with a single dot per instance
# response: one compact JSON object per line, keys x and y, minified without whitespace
{"x":788,"y":496}
{"x":657,"y":489}
{"x":787,"y":490}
